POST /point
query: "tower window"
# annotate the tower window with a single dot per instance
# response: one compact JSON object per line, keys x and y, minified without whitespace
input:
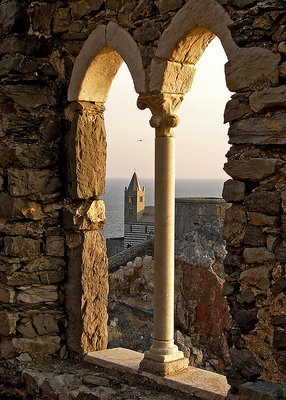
{"x":141,"y":199}
{"x":130,"y":199}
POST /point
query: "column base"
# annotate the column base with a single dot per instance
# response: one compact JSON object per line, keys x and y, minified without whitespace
{"x":164,"y":368}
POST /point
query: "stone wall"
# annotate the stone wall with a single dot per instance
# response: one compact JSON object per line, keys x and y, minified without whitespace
{"x":52,"y":169}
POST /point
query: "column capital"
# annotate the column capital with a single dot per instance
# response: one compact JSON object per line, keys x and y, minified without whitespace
{"x":163,"y":107}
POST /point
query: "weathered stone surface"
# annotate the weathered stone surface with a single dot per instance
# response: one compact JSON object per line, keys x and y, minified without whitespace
{"x":84,"y":216}
{"x":234,"y":225}
{"x":27,"y":330}
{"x":282,"y":47}
{"x":257,"y":276}
{"x":254,"y":169}
{"x":45,"y":324}
{"x":263,"y":202}
{"x":86,"y":289}
{"x":272,"y":242}
{"x":280,"y":253}
{"x":246,"y":296}
{"x":29,"y":95}
{"x":233,"y":191}
{"x":86,"y":169}
{"x":254,"y":236}
{"x":24,"y":44}
{"x":278,"y":286}
{"x":19,"y":279}
{"x":8,"y":323}
{"x":282,"y":70}
{"x":169,"y":5}
{"x":55,"y":246}
{"x":245,"y":69}
{"x":234,"y":110}
{"x":51,"y":386}
{"x":242,"y":3}
{"x":9,"y":12}
{"x":7,"y":295}
{"x":279,"y":319}
{"x":257,"y":255}
{"x":279,"y":339}
{"x":37,"y":294}
{"x":244,"y":361}
{"x":35,"y":346}
{"x":245,"y":319}
{"x":268,"y":98}
{"x":26,"y":182}
{"x":41,"y":18}
{"x":260,"y":390}
{"x":22,"y":247}
{"x":270,"y":130}
{"x":31,"y":228}
{"x":11,"y":208}
{"x":263,"y":220}
{"x":44,"y":264}
{"x":62,"y":20}
{"x":148,"y":32}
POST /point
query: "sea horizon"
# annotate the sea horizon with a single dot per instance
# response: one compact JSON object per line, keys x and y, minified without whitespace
{"x":114,"y":197}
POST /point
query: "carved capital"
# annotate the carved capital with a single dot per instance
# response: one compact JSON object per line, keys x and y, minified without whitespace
{"x":163,"y":108}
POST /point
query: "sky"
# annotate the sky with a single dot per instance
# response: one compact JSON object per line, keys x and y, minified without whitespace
{"x":201,"y":136}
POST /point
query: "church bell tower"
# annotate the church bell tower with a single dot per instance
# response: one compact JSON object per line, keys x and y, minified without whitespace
{"x":134,"y":202}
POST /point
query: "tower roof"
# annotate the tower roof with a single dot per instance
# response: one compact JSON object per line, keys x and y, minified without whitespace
{"x":134,"y":184}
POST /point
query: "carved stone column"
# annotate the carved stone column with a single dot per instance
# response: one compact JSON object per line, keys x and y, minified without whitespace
{"x":163,"y":357}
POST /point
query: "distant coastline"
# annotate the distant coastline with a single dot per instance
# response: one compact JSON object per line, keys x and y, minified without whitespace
{"x":114,"y":197}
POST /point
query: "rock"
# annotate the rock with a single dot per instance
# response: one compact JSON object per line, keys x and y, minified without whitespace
{"x":35,"y":346}
{"x":245,"y":70}
{"x":242,"y":3}
{"x":257,"y":255}
{"x":268,"y":98}
{"x":23,"y":44}
{"x":144,"y":9}
{"x":246,"y":296}
{"x":9,"y":12}
{"x":11,"y":208}
{"x":19,"y":279}
{"x":24,"y":358}
{"x":260,"y":390}
{"x":258,"y":277}
{"x":169,"y":5}
{"x":22,"y":247}
{"x":233,"y":191}
{"x":280,"y":253}
{"x":8,"y":323}
{"x":244,"y":361}
{"x":26,"y":182}
{"x":29,"y":95}
{"x":254,"y":169}
{"x":279,"y":339}
{"x":245,"y":319}
{"x":44,"y":264}
{"x":27,"y":330}
{"x":95,"y":380}
{"x":280,"y":34}
{"x":279,"y":319}
{"x":282,"y":70}
{"x":41,"y":18}
{"x":270,"y":130}
{"x":278,"y":286}
{"x":7,"y":295}
{"x":263,"y":220}
{"x":88,"y":215}
{"x":272,"y":242}
{"x":55,"y":246}
{"x":37,"y":294}
{"x":263,"y":22}
{"x":61,"y":20}
{"x":45,"y":324}
{"x":263,"y":202}
{"x":233,"y":230}
{"x":234,"y":110}
{"x":254,"y":236}
{"x":282,"y":47}
{"x":51,"y":386}
{"x":146,"y":33}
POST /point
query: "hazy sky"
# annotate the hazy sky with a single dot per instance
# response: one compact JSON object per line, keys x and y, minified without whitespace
{"x":201,"y":136}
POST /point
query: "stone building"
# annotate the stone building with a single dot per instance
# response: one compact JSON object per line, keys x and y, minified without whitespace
{"x":58,"y":60}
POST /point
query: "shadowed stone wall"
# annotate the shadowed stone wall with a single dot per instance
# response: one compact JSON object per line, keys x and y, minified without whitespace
{"x":52,"y":166}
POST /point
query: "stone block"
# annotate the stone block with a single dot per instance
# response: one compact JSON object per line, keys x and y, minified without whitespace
{"x":26,"y":330}
{"x":245,"y":362}
{"x":41,"y":18}
{"x":245,"y":69}
{"x":23,"y":44}
{"x":19,"y":279}
{"x":262,"y":219}
{"x":13,"y":208}
{"x":55,"y":246}
{"x":22,"y":247}
{"x":9,"y":12}
{"x":255,"y":169}
{"x":147,"y":32}
{"x":233,"y":191}
{"x":282,"y":47}
{"x":234,"y":110}
{"x":62,"y":20}
{"x":257,"y":255}
{"x":8,"y":323}
{"x":39,"y":346}
{"x":279,"y":339}
{"x":246,"y":296}
{"x":51,"y":277}
{"x":26,"y":182}
{"x":258,"y":277}
{"x":44,"y":263}
{"x":278,"y":286}
{"x":279,"y":320}
{"x":37,"y":294}
{"x":254,"y":236}
{"x":87,"y":289}
{"x":7,"y":295}
{"x":86,"y":170}
{"x":270,"y":130}
{"x":88,"y":215}
{"x":45,"y":324}
{"x":245,"y":319}
{"x":169,"y":5}
{"x":29,"y":95}
{"x":268,"y":98}
{"x":280,"y":253}
{"x":282,"y":70}
{"x":263,"y":202}
{"x":259,"y":390}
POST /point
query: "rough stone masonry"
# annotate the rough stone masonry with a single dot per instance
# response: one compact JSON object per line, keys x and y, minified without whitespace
{"x":53,"y":268}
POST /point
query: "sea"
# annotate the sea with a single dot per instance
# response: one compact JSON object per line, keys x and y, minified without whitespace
{"x":114,"y":198}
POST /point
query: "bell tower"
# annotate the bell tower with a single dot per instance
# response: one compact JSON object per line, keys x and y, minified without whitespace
{"x":134,"y":202}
